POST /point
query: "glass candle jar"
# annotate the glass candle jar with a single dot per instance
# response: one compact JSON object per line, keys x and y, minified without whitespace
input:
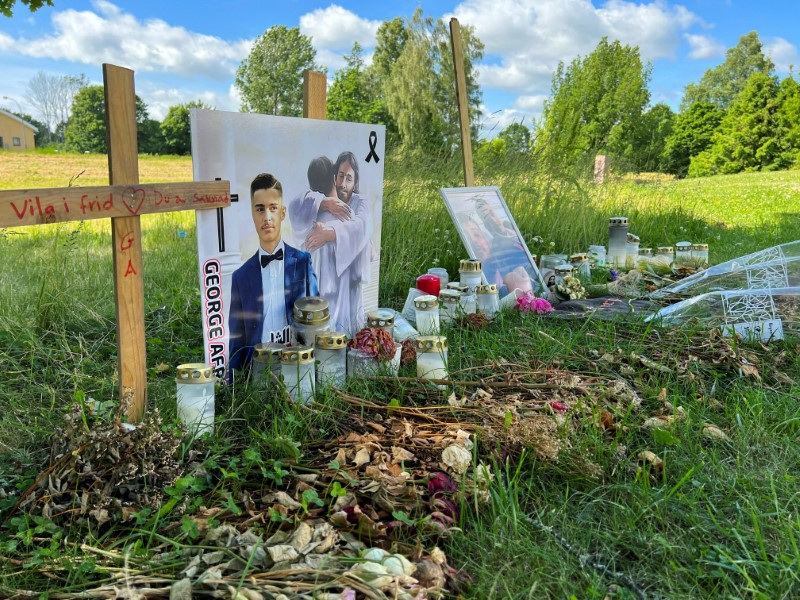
{"x":700,"y":251}
{"x":632,"y":250}
{"x":551,"y":261}
{"x":597,"y":254}
{"x":617,"y":241}
{"x":488,"y":299}
{"x":330,"y":349}
{"x":429,"y":284}
{"x":449,"y":303}
{"x":432,"y":357}
{"x":665,"y":255}
{"x":470,"y":272}
{"x":427,"y":313}
{"x":297,"y":367}
{"x":195,"y":397}
{"x":266,"y":363}
{"x":444,"y":277}
{"x":383,"y":318}
{"x":311,"y":316}
{"x":683,"y":252}
{"x":580,"y":262}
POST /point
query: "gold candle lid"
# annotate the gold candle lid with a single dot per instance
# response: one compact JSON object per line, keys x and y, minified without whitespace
{"x":298,"y":355}
{"x":469,"y":265}
{"x":311,"y":310}
{"x":646,"y":251}
{"x":449,"y":296}
{"x":618,"y":221}
{"x":579,"y":257}
{"x":700,"y":247}
{"x":426,"y":302}
{"x":331,"y":340}
{"x":564,"y":269}
{"x":195,"y":373}
{"x":380,"y":318}
{"x":458,"y":286}
{"x":430,"y":343}
{"x":665,"y":249}
{"x":486,"y":288}
{"x":268,"y":353}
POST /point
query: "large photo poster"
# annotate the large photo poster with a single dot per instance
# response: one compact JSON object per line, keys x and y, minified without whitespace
{"x":306,"y":221}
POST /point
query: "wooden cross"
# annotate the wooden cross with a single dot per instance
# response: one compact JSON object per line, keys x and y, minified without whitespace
{"x":123,"y":200}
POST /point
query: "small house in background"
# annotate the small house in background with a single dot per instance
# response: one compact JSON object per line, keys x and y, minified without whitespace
{"x":15,"y":134}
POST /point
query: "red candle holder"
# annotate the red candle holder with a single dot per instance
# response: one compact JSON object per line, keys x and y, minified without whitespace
{"x":429,"y":284}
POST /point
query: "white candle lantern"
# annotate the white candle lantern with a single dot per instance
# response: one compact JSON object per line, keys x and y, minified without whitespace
{"x":450,"y":302}
{"x":382,"y":318}
{"x":665,"y":255}
{"x":470,"y":273}
{"x":195,"y":397}
{"x":580,"y":262}
{"x":700,"y":251}
{"x":646,"y":254}
{"x":598,"y":255}
{"x":266,"y":363}
{"x":683,"y":252}
{"x":297,"y":367}
{"x":331,"y":353}
{"x":442,"y":274}
{"x":467,"y":303}
{"x":632,"y":250}
{"x":311,"y":316}
{"x":618,"y":241}
{"x":488,"y":299}
{"x":432,"y":357}
{"x":551,"y":261}
{"x":427,"y":313}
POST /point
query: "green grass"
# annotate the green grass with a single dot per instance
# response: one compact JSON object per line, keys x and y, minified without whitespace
{"x":721,"y":520}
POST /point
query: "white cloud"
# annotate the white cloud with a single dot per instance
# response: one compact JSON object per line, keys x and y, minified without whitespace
{"x":783,"y":54}
{"x":6,"y":41}
{"x":111,"y":35}
{"x":533,"y":103}
{"x":333,"y":30}
{"x":493,"y":123}
{"x":158,"y":98}
{"x":530,"y":37}
{"x":703,"y":46}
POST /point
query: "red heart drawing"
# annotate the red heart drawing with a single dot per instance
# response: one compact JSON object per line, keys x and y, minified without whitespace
{"x":130,"y":197}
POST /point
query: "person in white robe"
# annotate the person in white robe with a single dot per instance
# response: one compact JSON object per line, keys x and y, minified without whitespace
{"x":334,"y":222}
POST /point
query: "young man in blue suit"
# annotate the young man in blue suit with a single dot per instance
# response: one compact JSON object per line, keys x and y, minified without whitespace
{"x":266,"y":286}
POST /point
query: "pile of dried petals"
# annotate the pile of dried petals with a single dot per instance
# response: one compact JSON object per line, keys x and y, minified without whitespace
{"x":375,"y":342}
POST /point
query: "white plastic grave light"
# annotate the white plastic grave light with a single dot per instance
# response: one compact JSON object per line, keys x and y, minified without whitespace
{"x":450,"y":302}
{"x":297,"y":368}
{"x":382,"y":318}
{"x":266,"y":363}
{"x":311,"y":316}
{"x":195,"y":397}
{"x":470,"y":273}
{"x":631,"y":250}
{"x":427,"y":313}
{"x":432,"y":357}
{"x":617,"y":241}
{"x":488,"y":299}
{"x":331,"y":354}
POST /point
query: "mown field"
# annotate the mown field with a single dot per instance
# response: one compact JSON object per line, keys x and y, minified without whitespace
{"x":720,"y":519}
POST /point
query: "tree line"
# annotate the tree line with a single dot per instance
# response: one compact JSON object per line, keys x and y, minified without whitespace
{"x":739,"y":116}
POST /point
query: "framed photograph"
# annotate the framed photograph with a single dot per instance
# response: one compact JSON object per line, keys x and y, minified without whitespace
{"x":491,"y":235}
{"x":307,"y":222}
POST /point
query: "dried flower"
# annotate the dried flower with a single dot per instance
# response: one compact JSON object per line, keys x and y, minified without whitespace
{"x":530,"y":303}
{"x":375,"y":342}
{"x":409,"y":354}
{"x":440,"y":482}
{"x":476,"y":321}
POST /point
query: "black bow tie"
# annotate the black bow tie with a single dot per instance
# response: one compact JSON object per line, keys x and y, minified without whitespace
{"x":268,"y":258}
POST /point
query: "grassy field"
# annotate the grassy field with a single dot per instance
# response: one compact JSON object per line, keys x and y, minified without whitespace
{"x":720,"y":519}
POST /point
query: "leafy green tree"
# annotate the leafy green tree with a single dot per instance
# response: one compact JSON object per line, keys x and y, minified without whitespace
{"x":745,"y":139}
{"x":691,"y":134}
{"x":270,"y":79}
{"x":391,"y":39}
{"x":723,"y":83}
{"x":788,"y":123}
{"x":641,"y":143}
{"x":175,"y":127}
{"x":149,"y":136}
{"x":6,"y":6}
{"x":517,"y":138}
{"x":595,"y":99}
{"x":491,"y":154}
{"x":420,"y":89}
{"x":86,"y":128}
{"x":354,"y":94}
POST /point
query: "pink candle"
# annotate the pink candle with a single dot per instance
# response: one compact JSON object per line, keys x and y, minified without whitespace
{"x":429,"y":284}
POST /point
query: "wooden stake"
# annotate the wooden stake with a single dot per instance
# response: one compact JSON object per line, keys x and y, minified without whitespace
{"x":123,"y":169}
{"x":463,"y":102}
{"x":315,"y":103}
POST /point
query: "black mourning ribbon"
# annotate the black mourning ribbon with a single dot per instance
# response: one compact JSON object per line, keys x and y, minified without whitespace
{"x":268,"y":258}
{"x":373,"y":143}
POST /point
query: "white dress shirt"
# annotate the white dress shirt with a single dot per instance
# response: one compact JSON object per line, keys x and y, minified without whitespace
{"x":276,"y":327}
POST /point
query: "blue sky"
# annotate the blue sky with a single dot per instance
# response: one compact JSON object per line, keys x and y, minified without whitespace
{"x":184,"y":51}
